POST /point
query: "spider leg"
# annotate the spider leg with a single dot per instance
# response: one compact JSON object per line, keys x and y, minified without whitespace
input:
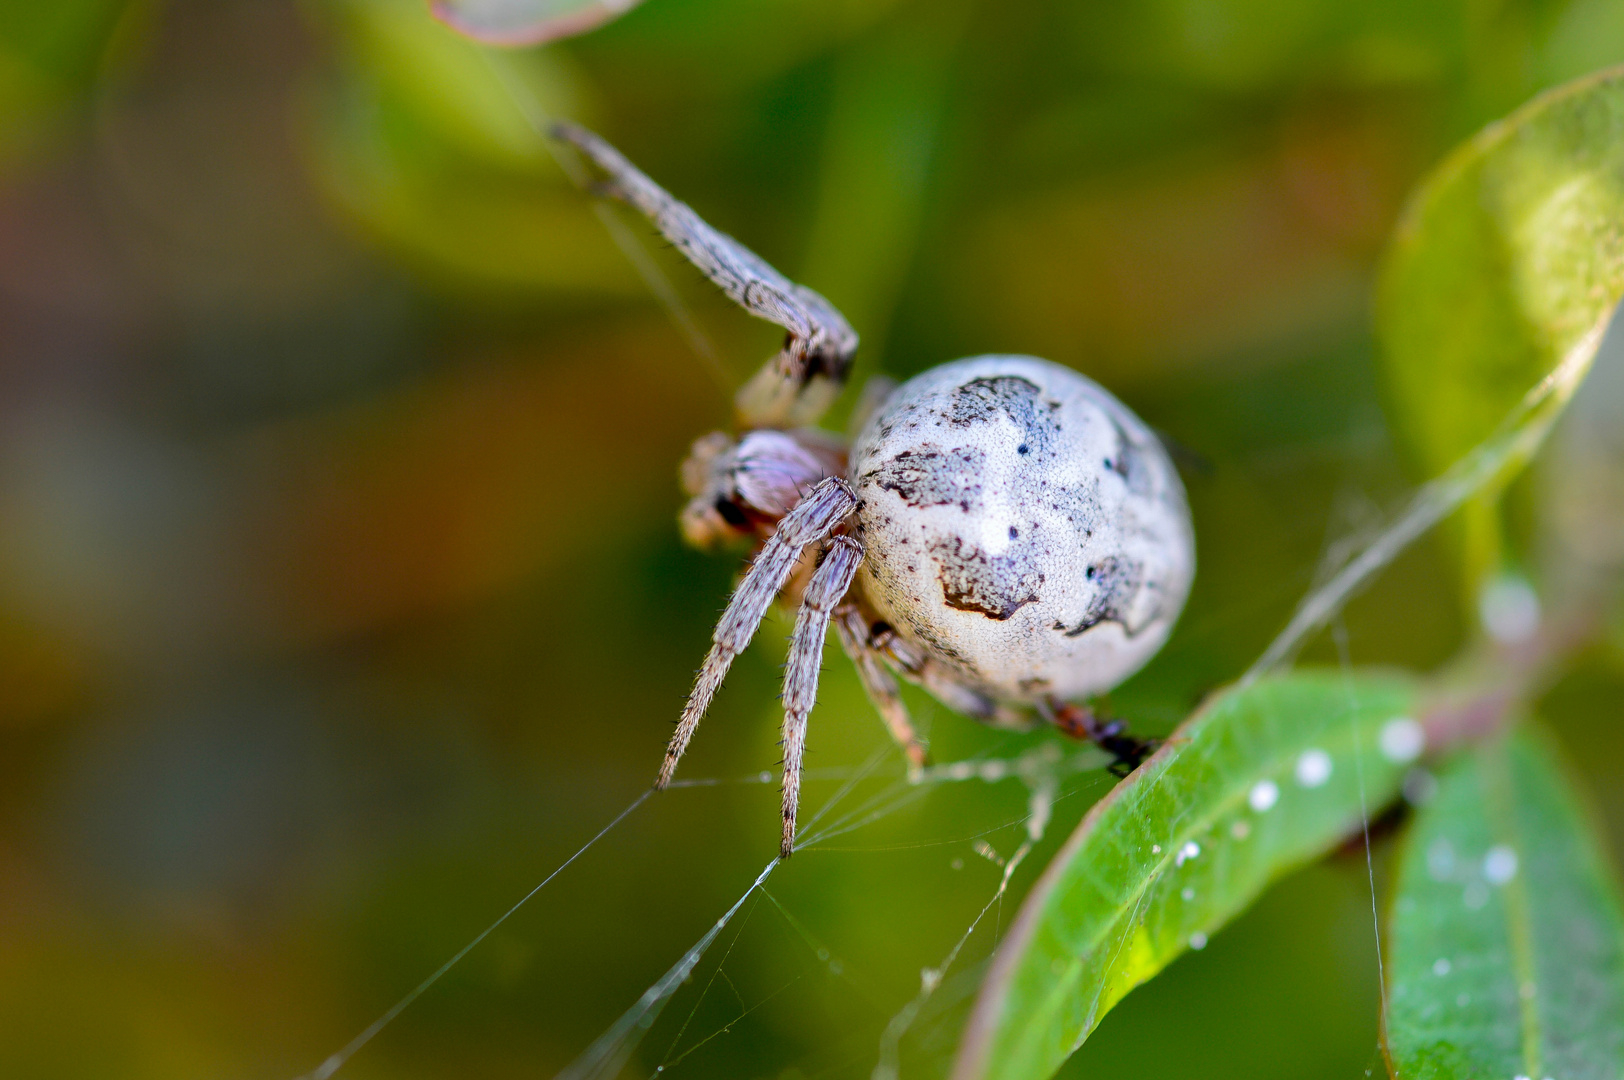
{"x":880,"y":685}
{"x":828,"y":586}
{"x":944,"y":684}
{"x":816,"y":516}
{"x":1127,"y":750}
{"x":795,"y":386}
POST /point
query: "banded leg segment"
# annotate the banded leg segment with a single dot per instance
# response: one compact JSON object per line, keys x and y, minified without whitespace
{"x":827,"y":588}
{"x":879,"y":684}
{"x":1128,"y":751}
{"x":797,"y":385}
{"x":817,"y":515}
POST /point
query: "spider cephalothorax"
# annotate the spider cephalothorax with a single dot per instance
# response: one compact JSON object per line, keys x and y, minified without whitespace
{"x":1003,"y":531}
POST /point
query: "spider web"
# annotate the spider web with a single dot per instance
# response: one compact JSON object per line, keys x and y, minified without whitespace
{"x":1045,"y":772}
{"x":876,"y":790}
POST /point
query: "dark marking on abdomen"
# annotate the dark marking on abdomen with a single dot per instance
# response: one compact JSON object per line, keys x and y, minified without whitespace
{"x":1117,"y":583}
{"x":996,"y":586}
{"x":931,"y":476}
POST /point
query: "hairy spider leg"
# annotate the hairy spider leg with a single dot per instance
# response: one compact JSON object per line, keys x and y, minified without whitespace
{"x":828,"y":586}
{"x":817,"y":515}
{"x":880,"y":685}
{"x":797,"y":385}
{"x":943,"y":684}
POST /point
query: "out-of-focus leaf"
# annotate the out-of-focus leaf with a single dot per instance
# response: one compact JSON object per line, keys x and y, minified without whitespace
{"x":1263,"y":779}
{"x":889,"y":102}
{"x":526,"y":22}
{"x":1248,"y":44}
{"x":1581,"y":490}
{"x":466,"y":224}
{"x":1508,"y":260}
{"x":479,"y":104}
{"x":48,"y":53}
{"x":671,"y":51}
{"x":430,"y":141}
{"x":1506,"y":941}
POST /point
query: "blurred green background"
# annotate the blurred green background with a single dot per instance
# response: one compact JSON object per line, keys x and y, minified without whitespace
{"x":341,"y":597}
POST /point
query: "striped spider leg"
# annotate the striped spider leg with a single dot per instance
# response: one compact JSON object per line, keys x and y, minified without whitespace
{"x":814,"y":519}
{"x":798,"y":384}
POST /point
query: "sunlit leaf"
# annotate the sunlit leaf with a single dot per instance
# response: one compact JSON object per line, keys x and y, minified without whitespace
{"x":1506,"y":941}
{"x":526,"y":22}
{"x":483,"y":106}
{"x":1261,"y":780}
{"x":1508,"y":260}
{"x":431,"y":143}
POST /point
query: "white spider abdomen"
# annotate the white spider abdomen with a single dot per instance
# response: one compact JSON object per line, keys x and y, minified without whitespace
{"x":1022,"y":526}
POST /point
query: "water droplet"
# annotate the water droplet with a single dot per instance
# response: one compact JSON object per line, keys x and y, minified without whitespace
{"x":1476,"y":895}
{"x":1419,"y":787}
{"x":957,"y":864}
{"x":1198,"y":940}
{"x":1188,"y":893}
{"x":1402,"y":740}
{"x":1313,"y":768}
{"x":1155,"y":849}
{"x":1440,"y":966}
{"x":1264,"y":794}
{"x":836,"y":967}
{"x":1519,"y":1076}
{"x":764,"y":776}
{"x":1500,"y":865}
{"x":823,"y":954}
{"x":1509,"y":608}
{"x":1189,"y":851}
{"x":1241,"y":829}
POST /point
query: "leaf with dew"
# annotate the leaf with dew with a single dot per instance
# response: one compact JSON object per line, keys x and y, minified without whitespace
{"x":1506,"y":941}
{"x":526,"y":22}
{"x":1504,"y":269}
{"x":1261,"y":780}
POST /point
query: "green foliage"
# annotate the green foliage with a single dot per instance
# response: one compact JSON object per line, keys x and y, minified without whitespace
{"x":1261,"y":780}
{"x":1506,"y":942}
{"x":337,"y":603}
{"x":1503,"y":275}
{"x":432,"y":143}
{"x":1509,"y":259}
{"x":49,"y":53}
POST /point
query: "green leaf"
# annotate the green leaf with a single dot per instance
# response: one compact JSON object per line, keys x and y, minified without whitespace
{"x":527,"y":22}
{"x":430,"y":142}
{"x":1507,"y":262}
{"x":1506,"y":940}
{"x":478,"y":104}
{"x":49,"y":54}
{"x":1263,"y":779}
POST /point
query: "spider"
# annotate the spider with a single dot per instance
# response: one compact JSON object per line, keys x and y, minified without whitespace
{"x":1002,"y":531}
